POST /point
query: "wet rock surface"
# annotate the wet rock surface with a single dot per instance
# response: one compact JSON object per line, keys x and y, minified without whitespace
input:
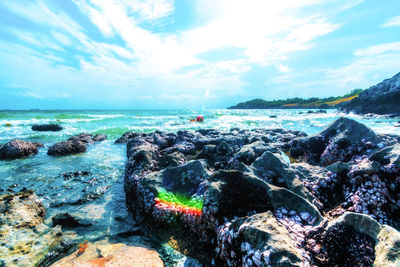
{"x":237,"y":192}
{"x":47,"y":127}
{"x":74,"y":145}
{"x":24,"y":238}
{"x":18,"y":149}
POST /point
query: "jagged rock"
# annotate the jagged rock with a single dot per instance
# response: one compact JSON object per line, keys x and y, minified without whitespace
{"x":18,"y":149}
{"x":47,"y":127}
{"x":341,"y":140}
{"x":24,"y":238}
{"x":383,"y":98}
{"x":102,"y":253}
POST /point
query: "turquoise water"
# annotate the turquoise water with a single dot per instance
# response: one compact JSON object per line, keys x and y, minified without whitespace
{"x":102,"y":190}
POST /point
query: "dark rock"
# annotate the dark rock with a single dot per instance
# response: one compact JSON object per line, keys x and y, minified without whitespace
{"x":273,"y":116}
{"x":66,"y":220}
{"x":47,"y":127}
{"x":341,"y":140}
{"x":67,"y":148}
{"x":75,"y":144}
{"x":388,"y":155}
{"x":248,"y":153}
{"x":124,"y":139}
{"x":172,"y":160}
{"x":99,"y":137}
{"x":383,"y":98}
{"x":18,"y":149}
{"x":273,"y":169}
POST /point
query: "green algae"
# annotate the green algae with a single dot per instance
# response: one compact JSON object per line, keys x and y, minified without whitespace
{"x":179,"y":199}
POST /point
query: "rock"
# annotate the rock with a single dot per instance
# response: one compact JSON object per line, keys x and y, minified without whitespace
{"x":47,"y":127}
{"x":25,"y":240}
{"x":388,"y":155}
{"x":258,"y":240}
{"x":75,"y":144}
{"x":68,"y":221}
{"x":273,"y":116}
{"x":99,"y":137}
{"x":68,"y":147}
{"x":234,"y":193}
{"x":273,"y":169}
{"x":184,"y":179}
{"x":382,"y":98}
{"x":102,"y":253}
{"x":386,"y":239}
{"x":340,"y":141}
{"x":18,"y":149}
{"x":124,"y":139}
{"x":248,"y":153}
{"x":172,"y":160}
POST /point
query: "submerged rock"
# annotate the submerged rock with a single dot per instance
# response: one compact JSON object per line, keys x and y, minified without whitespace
{"x":25,"y":240}
{"x":18,"y":149}
{"x":102,"y":253}
{"x":47,"y":127}
{"x":68,"y":221}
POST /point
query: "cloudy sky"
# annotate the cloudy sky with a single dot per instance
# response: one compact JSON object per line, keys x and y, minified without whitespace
{"x":136,"y":54}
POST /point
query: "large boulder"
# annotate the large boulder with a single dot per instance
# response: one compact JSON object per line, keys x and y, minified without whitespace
{"x":18,"y":149}
{"x":340,"y":141}
{"x":47,"y":127}
{"x":383,"y":98}
{"x":102,"y":253}
{"x":24,"y":238}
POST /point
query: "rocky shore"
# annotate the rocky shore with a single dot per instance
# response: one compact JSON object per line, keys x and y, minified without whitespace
{"x":260,"y":197}
{"x":382,"y":98}
{"x":272,"y":197}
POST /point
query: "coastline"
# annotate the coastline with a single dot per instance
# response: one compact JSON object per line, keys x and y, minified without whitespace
{"x":203,"y":151}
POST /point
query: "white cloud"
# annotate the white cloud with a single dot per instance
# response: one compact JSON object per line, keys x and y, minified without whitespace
{"x":379,"y":49}
{"x":395,"y":21}
{"x":268,"y":32}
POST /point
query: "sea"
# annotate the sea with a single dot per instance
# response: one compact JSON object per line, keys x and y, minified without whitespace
{"x":98,"y":198}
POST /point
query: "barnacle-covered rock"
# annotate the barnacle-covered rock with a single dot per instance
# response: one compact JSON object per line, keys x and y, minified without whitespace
{"x":257,"y":240}
{"x":340,"y":141}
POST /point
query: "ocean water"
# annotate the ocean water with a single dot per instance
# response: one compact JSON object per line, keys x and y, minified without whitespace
{"x":99,"y":197}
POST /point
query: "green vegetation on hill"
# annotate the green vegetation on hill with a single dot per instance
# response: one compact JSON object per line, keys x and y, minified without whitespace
{"x":314,"y":102}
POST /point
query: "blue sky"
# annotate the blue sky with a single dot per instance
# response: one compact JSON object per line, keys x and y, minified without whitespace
{"x":135,"y":54}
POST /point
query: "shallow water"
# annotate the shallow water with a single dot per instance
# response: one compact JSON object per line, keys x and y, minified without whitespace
{"x":99,"y":197}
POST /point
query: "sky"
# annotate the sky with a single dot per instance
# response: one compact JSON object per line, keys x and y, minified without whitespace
{"x":147,"y":54}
